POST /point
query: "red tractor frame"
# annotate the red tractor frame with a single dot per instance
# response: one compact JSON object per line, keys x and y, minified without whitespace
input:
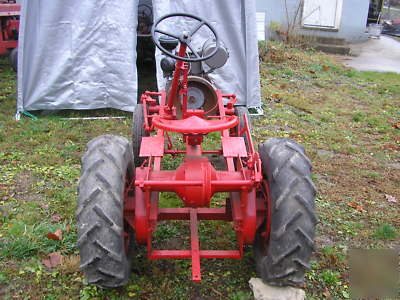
{"x":119,"y":192}
{"x":196,"y":180}
{"x":9,"y":29}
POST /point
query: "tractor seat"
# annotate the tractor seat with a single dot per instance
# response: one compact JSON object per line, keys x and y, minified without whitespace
{"x":195,"y":125}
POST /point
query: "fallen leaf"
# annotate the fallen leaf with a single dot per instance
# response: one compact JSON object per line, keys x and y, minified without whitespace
{"x":277,"y":96}
{"x":9,"y":196}
{"x":68,"y":228}
{"x":390,"y":198}
{"x":44,"y":206}
{"x":53,"y":260}
{"x":355,"y":206}
{"x":327,"y":294}
{"x":47,"y":263}
{"x":284,"y":86}
{"x":333,"y":259}
{"x":325,"y":68}
{"x":56,"y":236}
{"x":395,"y":124}
{"x":55,"y":218}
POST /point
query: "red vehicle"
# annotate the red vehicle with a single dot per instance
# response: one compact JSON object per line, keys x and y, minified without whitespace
{"x":271,"y":195}
{"x":9,"y":29}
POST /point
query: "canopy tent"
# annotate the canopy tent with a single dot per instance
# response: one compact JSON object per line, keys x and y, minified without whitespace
{"x":77,"y":55}
{"x":81,"y":54}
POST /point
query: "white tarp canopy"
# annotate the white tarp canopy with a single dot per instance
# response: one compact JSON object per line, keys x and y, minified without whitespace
{"x":81,"y":54}
{"x":77,"y":54}
{"x":236,"y":24}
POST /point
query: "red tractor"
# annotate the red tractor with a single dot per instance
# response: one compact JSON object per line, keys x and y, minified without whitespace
{"x":271,"y":195}
{"x":9,"y":29}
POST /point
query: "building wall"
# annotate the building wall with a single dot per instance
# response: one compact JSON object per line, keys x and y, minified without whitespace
{"x":352,"y":25}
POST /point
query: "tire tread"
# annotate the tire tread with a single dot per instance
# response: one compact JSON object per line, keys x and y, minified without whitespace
{"x":289,"y":250}
{"x":100,"y":211}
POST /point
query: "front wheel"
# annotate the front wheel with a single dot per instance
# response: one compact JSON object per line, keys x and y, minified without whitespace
{"x":284,"y":258}
{"x":138,"y":132}
{"x":107,"y":167}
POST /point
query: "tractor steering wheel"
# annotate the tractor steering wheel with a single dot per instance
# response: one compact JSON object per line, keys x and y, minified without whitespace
{"x":185,"y":37}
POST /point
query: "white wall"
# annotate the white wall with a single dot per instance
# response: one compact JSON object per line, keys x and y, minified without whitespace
{"x":352,"y":25}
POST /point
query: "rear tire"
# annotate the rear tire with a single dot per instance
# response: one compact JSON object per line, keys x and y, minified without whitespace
{"x":106,"y":165}
{"x":284,"y":259}
{"x":137,"y":133}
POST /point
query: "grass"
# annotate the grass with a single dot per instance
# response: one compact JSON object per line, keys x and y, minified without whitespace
{"x":345,"y":119}
{"x":386,"y":232}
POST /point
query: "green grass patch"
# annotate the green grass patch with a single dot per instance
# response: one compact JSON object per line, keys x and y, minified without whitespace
{"x":385,"y":232}
{"x":21,"y":241}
